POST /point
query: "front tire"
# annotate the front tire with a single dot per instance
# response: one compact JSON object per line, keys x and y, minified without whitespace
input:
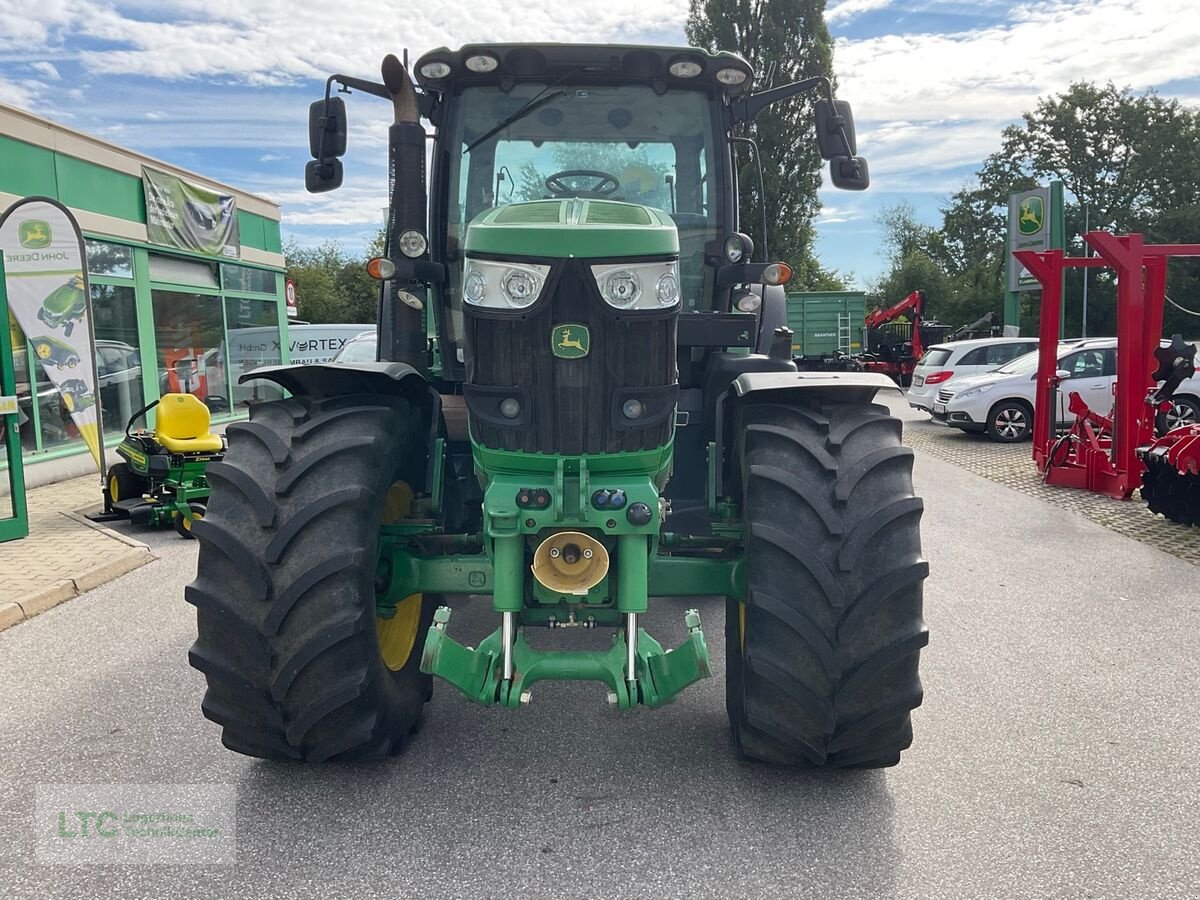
{"x":1010,"y":421}
{"x":285,"y":587}
{"x":123,"y":484}
{"x":823,"y":655}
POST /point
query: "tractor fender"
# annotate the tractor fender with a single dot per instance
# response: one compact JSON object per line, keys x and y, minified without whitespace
{"x":327,"y":379}
{"x":858,"y":387}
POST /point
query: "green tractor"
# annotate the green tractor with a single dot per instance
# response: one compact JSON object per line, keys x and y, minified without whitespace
{"x":585,"y":398}
{"x":162,"y":477}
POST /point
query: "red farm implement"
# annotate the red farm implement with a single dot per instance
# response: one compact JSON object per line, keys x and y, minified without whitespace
{"x":1114,"y":451}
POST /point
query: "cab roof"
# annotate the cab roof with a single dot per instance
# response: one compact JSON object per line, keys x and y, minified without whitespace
{"x":599,"y":62}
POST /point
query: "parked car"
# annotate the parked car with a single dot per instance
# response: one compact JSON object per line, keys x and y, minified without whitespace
{"x":1000,"y":403}
{"x":944,"y":362}
{"x":360,"y":348}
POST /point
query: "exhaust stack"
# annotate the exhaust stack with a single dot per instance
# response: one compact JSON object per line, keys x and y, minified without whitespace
{"x":401,"y":321}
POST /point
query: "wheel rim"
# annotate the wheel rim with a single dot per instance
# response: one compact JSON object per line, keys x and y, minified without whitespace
{"x":397,"y":634}
{"x":188,"y":521}
{"x":112,"y":488}
{"x":1011,"y":423}
{"x":1180,"y":414}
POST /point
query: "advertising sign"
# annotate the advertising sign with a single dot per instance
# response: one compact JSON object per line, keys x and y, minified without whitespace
{"x":189,"y":217}
{"x":1028,"y":229}
{"x":45,"y":280}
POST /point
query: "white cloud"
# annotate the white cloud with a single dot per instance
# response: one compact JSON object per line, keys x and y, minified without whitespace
{"x":848,"y":9}
{"x":45,"y":69}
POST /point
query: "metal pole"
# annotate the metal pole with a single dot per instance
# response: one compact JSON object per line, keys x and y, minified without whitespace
{"x":1087,"y":252}
{"x":631,"y":646}
{"x":506,"y":637}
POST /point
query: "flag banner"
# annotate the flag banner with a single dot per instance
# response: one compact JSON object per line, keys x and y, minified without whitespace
{"x":189,"y":217}
{"x":45,"y":280}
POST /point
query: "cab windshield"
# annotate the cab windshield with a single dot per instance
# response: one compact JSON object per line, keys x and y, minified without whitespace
{"x":657,"y":150}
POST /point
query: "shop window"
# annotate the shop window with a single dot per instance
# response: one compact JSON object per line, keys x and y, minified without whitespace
{"x":253,"y":342}
{"x":109,"y":260}
{"x":118,"y":361}
{"x":177,"y":270}
{"x":190,"y":345}
{"x":248,"y":280}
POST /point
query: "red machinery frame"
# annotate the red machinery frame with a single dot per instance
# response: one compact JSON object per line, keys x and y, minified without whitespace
{"x":1098,"y":461}
{"x":914,"y":305}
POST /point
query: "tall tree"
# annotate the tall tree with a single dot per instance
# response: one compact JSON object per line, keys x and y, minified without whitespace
{"x":791,"y":36}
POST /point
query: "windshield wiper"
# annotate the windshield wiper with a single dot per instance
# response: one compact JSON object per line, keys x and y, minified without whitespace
{"x":536,"y":103}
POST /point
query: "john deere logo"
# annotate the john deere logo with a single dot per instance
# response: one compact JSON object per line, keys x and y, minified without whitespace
{"x":34,"y":234}
{"x":570,"y":341}
{"x":1032,"y":215}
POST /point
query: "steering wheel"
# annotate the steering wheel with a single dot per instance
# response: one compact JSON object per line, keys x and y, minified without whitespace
{"x":606,"y":185}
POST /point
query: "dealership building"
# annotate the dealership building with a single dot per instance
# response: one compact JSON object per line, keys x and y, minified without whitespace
{"x":186,"y":298}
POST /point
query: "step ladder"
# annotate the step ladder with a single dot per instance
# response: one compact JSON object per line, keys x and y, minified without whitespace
{"x":843,"y":334}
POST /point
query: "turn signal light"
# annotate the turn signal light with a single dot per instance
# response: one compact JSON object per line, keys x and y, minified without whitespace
{"x":777,"y":273}
{"x":381,"y":268}
{"x":937,"y":377}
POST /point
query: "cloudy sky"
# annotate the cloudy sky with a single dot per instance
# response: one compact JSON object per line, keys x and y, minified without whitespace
{"x":222,"y":86}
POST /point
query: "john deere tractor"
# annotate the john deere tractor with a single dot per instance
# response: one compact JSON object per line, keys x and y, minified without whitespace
{"x":584,"y":399}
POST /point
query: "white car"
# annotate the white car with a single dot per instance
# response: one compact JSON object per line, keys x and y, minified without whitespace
{"x":1000,"y":404}
{"x":945,"y":362}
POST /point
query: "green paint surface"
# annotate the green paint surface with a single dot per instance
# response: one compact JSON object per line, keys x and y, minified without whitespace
{"x":588,"y":229}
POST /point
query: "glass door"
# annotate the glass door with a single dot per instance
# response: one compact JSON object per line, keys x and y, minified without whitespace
{"x":14,"y":521}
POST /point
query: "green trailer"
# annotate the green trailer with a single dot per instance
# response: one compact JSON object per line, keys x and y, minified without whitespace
{"x":826,"y":323}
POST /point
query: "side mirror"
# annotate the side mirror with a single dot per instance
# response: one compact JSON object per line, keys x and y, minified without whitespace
{"x":832,"y":119}
{"x":849,"y":173}
{"x":1062,"y":374}
{"x":322,"y":175}
{"x":327,"y":130}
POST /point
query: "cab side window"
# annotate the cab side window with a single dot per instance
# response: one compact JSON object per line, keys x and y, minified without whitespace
{"x":976,"y":357}
{"x":999,"y":354}
{"x":1085,"y":364}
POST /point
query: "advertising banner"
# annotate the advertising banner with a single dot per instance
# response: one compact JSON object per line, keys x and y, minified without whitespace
{"x":45,"y":280}
{"x":189,"y":217}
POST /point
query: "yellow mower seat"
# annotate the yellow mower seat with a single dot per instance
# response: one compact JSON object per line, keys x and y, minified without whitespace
{"x":182,"y":425}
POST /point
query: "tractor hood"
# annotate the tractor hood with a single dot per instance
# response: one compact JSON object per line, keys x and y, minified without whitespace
{"x":576,"y":227}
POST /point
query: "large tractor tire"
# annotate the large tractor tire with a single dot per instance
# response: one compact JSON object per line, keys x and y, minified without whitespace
{"x":822,"y":655}
{"x":298,"y":664}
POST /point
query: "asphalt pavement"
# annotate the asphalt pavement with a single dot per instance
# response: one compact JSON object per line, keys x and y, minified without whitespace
{"x":1056,"y":754}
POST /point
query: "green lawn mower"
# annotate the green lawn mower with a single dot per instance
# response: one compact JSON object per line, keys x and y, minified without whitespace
{"x":164,"y":477}
{"x":585,"y":402}
{"x":65,"y":306}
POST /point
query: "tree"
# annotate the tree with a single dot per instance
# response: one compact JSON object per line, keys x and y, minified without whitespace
{"x":790,"y":35}
{"x":333,"y":286}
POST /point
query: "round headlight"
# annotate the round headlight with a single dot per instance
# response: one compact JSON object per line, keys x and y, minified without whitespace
{"x":474,"y":287}
{"x":483,"y":62}
{"x":520,"y":288}
{"x":685,"y":68}
{"x":731,"y":76}
{"x":749,"y":302}
{"x":667,"y":289}
{"x":436,"y":70}
{"x":632,"y":409}
{"x":412,"y":244}
{"x":622,"y":288}
{"x":738,"y":248}
{"x":510,"y":407}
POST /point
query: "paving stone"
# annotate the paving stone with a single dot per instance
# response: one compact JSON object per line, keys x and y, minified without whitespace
{"x":10,"y":614}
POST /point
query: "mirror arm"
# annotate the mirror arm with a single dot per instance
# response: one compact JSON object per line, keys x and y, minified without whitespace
{"x":762,"y":193}
{"x":746,"y":108}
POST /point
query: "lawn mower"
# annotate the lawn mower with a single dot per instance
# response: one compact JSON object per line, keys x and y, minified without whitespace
{"x":581,"y":403}
{"x":163,"y":479}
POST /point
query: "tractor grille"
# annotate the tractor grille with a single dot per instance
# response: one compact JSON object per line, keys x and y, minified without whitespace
{"x":944,"y":395}
{"x":571,"y":406}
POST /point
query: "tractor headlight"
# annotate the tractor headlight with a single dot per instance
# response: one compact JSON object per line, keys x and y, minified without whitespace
{"x":644,"y":286}
{"x":502,"y":285}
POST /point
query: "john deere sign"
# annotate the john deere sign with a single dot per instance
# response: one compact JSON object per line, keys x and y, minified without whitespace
{"x":189,"y":217}
{"x":1028,"y":229}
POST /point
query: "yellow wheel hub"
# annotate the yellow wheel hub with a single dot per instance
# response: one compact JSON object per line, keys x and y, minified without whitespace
{"x":112,"y":489}
{"x":398,"y":634}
